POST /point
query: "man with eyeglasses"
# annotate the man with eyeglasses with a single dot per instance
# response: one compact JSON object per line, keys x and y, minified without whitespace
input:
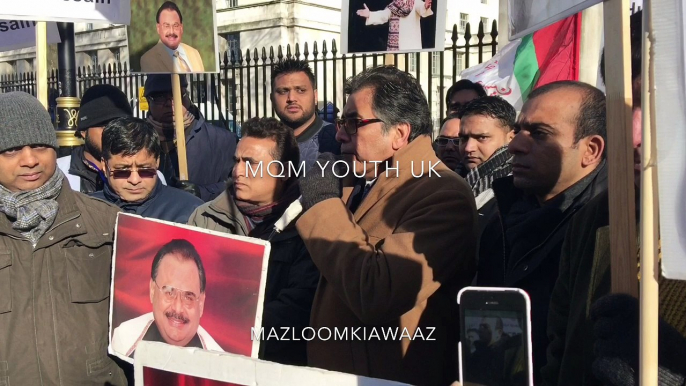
{"x":393,"y":243}
{"x":169,"y":55}
{"x":209,"y":149}
{"x":177,"y":294}
{"x":461,"y":93}
{"x":448,"y":143}
{"x":130,"y":158}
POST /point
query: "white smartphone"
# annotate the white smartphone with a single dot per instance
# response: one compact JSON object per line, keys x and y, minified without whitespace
{"x":495,"y":337}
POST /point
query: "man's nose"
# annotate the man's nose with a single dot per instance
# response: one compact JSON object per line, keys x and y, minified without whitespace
{"x":520,"y":143}
{"x":177,"y":303}
{"x":451,"y":145}
{"x":135,"y":178}
{"x":28,"y":158}
{"x":342,"y":136}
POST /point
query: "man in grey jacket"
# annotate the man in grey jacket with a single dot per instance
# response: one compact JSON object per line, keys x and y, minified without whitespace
{"x":55,"y":257}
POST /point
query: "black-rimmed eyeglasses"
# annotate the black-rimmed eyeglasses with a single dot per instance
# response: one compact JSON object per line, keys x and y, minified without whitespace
{"x":350,"y":125}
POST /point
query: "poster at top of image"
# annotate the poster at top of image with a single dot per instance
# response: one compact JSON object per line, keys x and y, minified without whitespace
{"x":392,"y":26}
{"x":75,"y":11}
{"x":177,"y":36}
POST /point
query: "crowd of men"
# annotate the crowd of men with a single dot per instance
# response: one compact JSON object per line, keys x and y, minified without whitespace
{"x":518,"y":201}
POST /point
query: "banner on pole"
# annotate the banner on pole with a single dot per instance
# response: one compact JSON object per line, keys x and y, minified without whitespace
{"x":669,"y":61}
{"x":76,"y":11}
{"x":16,"y":34}
{"x":545,"y":56}
{"x":528,"y":16}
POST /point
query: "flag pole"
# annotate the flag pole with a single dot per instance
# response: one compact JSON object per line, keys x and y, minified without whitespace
{"x":178,"y":126}
{"x":42,"y":63}
{"x":620,"y":157}
{"x":650,"y":267}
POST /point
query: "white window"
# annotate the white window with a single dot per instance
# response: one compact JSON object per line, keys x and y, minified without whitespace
{"x":460,"y":61}
{"x":484,"y":21}
{"x":231,"y":3}
{"x":413,"y":62}
{"x":484,"y":1}
{"x":435,"y":63}
{"x":94,"y":59}
{"x":89,"y":27}
{"x":464,"y":19}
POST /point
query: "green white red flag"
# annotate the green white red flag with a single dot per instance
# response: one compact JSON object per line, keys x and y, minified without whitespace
{"x":547,"y":55}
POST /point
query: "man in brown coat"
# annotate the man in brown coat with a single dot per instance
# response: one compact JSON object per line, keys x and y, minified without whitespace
{"x":394,"y":246}
{"x":55,"y":258}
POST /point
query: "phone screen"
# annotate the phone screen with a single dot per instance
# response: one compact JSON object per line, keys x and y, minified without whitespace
{"x":494,"y":338}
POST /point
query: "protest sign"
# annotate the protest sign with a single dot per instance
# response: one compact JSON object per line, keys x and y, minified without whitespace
{"x":392,"y":26}
{"x":180,"y":37}
{"x":527,"y":16}
{"x":76,"y":11}
{"x":669,"y":29}
{"x":545,"y":56}
{"x":158,"y":364}
{"x":185,"y":286}
{"x":16,"y":34}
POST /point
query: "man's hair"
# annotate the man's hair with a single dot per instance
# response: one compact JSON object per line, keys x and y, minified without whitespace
{"x":290,"y":66}
{"x":186,"y":251}
{"x":129,"y":136}
{"x":169,"y":6}
{"x":464,"y":84}
{"x":449,"y":117}
{"x":591,"y":119}
{"x":491,"y":106}
{"x":635,"y":29}
{"x":286,"y":149}
{"x":397,"y":97}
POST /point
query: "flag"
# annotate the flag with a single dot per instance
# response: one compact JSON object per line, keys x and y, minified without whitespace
{"x":534,"y":60}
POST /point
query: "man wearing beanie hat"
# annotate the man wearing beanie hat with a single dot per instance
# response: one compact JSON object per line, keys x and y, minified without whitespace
{"x":100,"y":104}
{"x":209,"y":149}
{"x":55,"y":258}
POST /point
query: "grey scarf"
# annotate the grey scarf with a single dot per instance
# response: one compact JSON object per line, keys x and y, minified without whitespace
{"x":35,"y":210}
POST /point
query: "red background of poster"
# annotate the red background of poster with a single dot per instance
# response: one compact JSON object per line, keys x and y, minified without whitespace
{"x":157,"y":377}
{"x":232,"y":270}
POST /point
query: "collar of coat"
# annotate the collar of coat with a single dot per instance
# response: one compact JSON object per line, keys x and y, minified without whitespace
{"x":418,"y":154}
{"x":113,"y":198}
{"x":224,"y":211}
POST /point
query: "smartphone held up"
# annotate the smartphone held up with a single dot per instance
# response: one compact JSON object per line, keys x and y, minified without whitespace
{"x":495,"y":337}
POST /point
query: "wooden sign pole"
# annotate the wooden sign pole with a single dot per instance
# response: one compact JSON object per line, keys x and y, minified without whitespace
{"x":42,"y":63}
{"x":620,"y":148}
{"x":650,"y":267}
{"x":178,"y":126}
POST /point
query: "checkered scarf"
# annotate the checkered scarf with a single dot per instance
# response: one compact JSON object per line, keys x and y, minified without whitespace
{"x":34,"y":211}
{"x":398,"y":8}
{"x":499,"y":165}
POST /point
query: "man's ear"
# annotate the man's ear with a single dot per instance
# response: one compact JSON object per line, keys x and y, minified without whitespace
{"x":401,"y":135}
{"x":510,"y":135}
{"x":316,"y":99}
{"x":102,"y":165}
{"x":595,"y":146}
{"x":152,"y":289}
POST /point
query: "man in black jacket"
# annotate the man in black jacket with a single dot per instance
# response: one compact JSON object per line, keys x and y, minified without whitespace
{"x":250,"y":206}
{"x":558,"y":166}
{"x":209,"y":149}
{"x":130,"y":158}
{"x":100,"y":104}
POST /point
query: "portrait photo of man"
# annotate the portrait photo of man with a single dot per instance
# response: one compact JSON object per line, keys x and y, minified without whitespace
{"x":177,"y":294}
{"x":170,"y":55}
